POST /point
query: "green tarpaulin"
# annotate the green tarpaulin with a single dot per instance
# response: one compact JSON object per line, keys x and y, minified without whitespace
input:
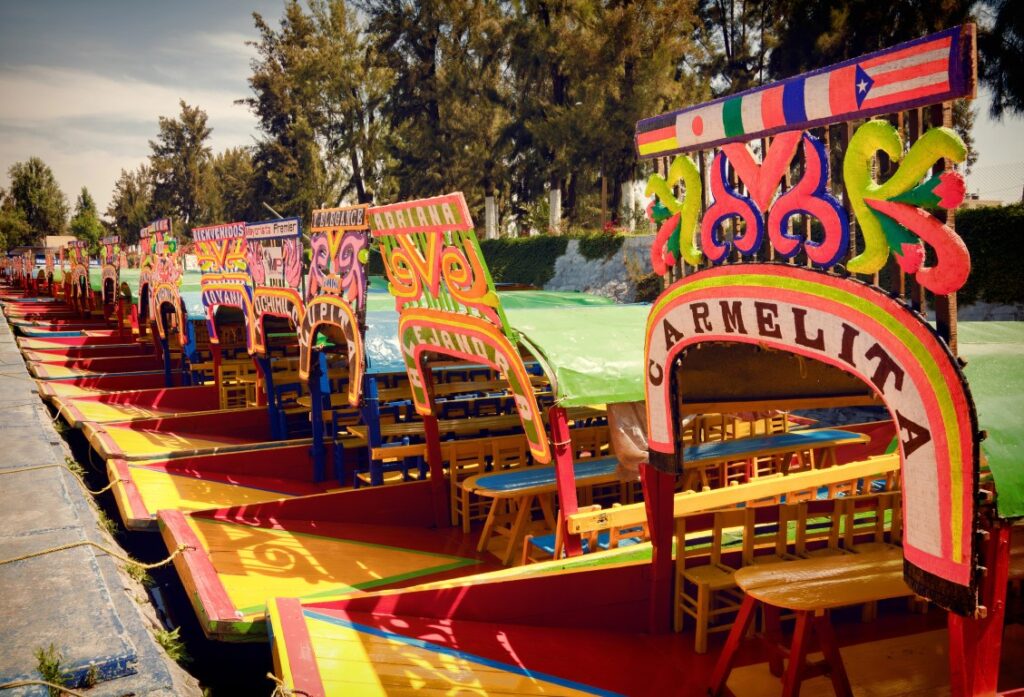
{"x":994,"y":352}
{"x":595,"y":354}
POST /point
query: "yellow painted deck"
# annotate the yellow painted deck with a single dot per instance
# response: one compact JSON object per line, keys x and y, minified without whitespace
{"x":101,"y":412}
{"x":256,"y":564}
{"x":160,"y":490}
{"x":57,"y":391}
{"x":131,"y":444}
{"x":352,"y":662}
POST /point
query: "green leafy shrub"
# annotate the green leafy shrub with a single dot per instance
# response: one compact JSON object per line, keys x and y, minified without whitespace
{"x":523,"y":259}
{"x":600,"y":245}
{"x":993,"y":236}
{"x":48,"y":662}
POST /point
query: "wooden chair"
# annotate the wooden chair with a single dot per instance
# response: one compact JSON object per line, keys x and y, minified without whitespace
{"x":713,"y":581}
{"x":394,"y":460}
{"x":590,"y":441}
{"x":864,"y":530}
{"x":818,"y":524}
{"x":465,"y":458}
{"x":552,"y":546}
{"x":625,"y":535}
{"x":766,"y":532}
{"x":508,"y":452}
{"x":237,"y":384}
{"x":864,"y":522}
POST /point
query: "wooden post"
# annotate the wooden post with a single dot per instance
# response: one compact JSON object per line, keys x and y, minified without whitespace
{"x":565,"y":476}
{"x":659,"y":500}
{"x":317,"y":368}
{"x":438,"y":490}
{"x":975,"y":643}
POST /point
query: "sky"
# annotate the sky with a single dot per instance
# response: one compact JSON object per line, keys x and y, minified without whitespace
{"x":82,"y":84}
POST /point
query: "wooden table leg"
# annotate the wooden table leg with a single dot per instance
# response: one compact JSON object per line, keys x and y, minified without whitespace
{"x":485,"y":534}
{"x":797,"y":655}
{"x":548,"y":510}
{"x":837,"y":671}
{"x":739,"y":629}
{"x":773,"y":637}
{"x":518,"y":528}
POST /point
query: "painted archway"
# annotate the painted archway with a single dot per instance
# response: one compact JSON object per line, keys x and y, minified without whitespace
{"x":167,"y":294}
{"x":229,"y":290}
{"x":145,"y":296}
{"x":860,"y":330}
{"x":423,"y":331}
{"x":80,"y":287}
{"x":332,"y":311}
{"x":274,"y":302}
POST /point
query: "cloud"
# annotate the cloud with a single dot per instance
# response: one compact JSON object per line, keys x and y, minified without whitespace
{"x":88,"y":126}
{"x":35,"y":92}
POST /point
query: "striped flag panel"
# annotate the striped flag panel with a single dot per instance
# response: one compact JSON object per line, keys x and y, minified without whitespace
{"x":932,"y":69}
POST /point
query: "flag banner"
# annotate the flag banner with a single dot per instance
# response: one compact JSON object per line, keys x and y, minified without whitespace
{"x":928,"y":70}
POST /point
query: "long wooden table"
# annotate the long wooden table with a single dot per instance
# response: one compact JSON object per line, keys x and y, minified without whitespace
{"x":809,"y":588}
{"x":521,"y":487}
{"x":442,"y":389}
{"x":781,"y":447}
{"x":471,"y":425}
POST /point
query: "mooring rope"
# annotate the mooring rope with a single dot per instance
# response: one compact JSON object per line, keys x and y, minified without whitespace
{"x":281,"y":690}
{"x":107,"y":550}
{"x":78,"y":478}
{"x":28,"y":683}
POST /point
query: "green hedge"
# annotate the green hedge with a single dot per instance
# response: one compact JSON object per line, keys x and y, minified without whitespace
{"x":523,"y":259}
{"x":599,"y":246}
{"x":995,"y":239}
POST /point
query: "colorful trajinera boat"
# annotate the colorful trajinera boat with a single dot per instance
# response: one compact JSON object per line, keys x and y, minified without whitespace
{"x":363,"y":534}
{"x":355,"y":473}
{"x":764,"y":312}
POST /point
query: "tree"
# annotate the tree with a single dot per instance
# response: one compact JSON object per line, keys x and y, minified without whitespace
{"x":14,"y":228}
{"x":290,"y":171}
{"x":647,"y":63}
{"x":178,"y":163}
{"x":1002,"y":56}
{"x":355,"y":85}
{"x":737,"y":37}
{"x":816,"y":33}
{"x":131,"y":202}
{"x":407,"y":38}
{"x":35,"y":192}
{"x":228,"y":192}
{"x":86,"y":225}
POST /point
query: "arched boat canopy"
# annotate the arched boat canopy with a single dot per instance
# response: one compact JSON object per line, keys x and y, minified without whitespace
{"x":859,"y":329}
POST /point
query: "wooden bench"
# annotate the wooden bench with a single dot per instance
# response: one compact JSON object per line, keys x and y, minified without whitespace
{"x":517,"y":490}
{"x":809,"y":588}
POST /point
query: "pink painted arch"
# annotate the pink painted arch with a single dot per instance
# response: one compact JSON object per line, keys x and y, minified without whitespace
{"x":858,"y":329}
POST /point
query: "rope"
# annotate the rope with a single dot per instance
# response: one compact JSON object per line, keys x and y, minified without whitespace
{"x":116,"y":555}
{"x":78,"y":479}
{"x":27,"y":683}
{"x":281,"y":690}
